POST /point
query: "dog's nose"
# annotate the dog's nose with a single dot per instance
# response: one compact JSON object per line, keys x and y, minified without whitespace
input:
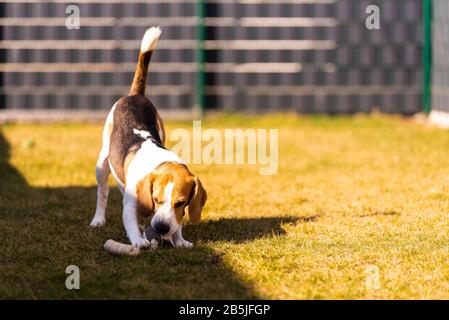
{"x":161,"y":228}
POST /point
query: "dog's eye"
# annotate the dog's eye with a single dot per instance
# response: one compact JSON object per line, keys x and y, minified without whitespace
{"x":179,"y":204}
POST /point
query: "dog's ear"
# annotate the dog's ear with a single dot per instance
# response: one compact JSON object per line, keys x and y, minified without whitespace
{"x":197,"y":202}
{"x":144,"y":191}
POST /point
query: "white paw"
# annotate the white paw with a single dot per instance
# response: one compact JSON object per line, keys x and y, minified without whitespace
{"x":97,"y":222}
{"x":140,"y":243}
{"x":154,"y":244}
{"x":183,"y":244}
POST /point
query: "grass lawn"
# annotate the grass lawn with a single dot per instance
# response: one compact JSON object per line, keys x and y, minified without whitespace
{"x":350,"y":193}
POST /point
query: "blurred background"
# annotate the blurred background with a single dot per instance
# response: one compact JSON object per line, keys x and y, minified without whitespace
{"x":306,"y":56}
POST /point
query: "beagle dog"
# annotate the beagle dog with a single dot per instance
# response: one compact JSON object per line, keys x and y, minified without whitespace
{"x":153,"y":180}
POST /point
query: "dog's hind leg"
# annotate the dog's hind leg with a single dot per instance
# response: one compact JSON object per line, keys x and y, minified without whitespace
{"x":102,"y":173}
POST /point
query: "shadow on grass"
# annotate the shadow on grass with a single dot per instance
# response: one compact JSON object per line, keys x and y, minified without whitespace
{"x":239,"y":230}
{"x":46,"y":229}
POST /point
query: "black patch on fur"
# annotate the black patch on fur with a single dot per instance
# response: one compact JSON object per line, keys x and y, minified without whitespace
{"x":131,"y":112}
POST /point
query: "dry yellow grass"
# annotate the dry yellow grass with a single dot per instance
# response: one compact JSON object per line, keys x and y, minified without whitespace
{"x":350,"y":193}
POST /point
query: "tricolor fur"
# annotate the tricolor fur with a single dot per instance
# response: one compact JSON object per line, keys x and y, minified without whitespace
{"x":153,"y":180}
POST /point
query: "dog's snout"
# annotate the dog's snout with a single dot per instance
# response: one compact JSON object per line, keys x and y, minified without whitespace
{"x":161,"y":227}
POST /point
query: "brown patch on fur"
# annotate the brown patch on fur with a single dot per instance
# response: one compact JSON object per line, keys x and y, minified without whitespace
{"x":140,"y":76}
{"x":160,"y":128}
{"x":144,"y":189}
{"x":198,"y":201}
{"x":110,"y":127}
{"x":129,"y":158}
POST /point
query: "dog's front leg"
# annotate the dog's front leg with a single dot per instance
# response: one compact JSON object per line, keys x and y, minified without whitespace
{"x":130,"y":220}
{"x":179,"y":241}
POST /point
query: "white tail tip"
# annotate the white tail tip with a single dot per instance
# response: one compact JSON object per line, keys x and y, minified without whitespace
{"x":150,"y":38}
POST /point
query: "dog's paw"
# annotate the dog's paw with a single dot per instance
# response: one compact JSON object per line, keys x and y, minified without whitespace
{"x":154,"y":244}
{"x":140,"y":243}
{"x":181,"y":243}
{"x":97,"y":222}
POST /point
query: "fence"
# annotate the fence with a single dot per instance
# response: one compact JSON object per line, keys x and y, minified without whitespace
{"x":440,"y":57}
{"x":309,"y":56}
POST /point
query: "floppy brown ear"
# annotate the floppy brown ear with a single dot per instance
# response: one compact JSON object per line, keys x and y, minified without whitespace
{"x":144,"y":190}
{"x":197,"y":202}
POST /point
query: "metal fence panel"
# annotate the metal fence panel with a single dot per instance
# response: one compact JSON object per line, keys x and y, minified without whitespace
{"x":263,"y":55}
{"x":440,"y":54}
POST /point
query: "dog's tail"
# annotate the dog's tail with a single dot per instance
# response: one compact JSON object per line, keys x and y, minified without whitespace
{"x":149,"y":43}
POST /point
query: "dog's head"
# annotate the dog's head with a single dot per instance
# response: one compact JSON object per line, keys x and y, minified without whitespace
{"x":166,"y":193}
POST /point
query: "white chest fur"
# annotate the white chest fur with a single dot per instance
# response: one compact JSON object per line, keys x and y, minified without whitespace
{"x":148,"y":158}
